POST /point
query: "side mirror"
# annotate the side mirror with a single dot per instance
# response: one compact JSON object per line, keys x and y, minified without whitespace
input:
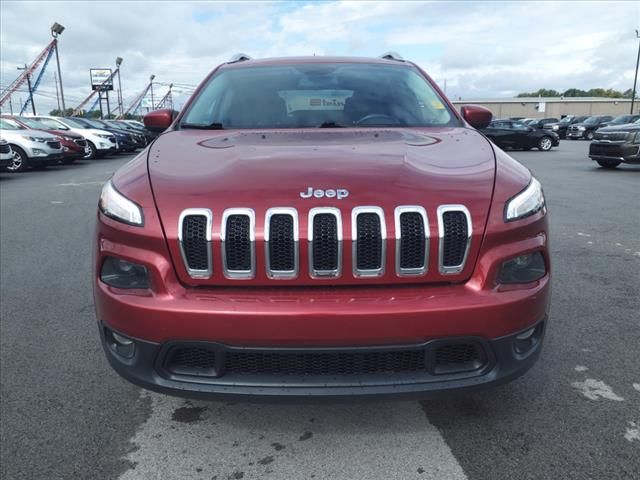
{"x":476,"y":116}
{"x":159,"y":120}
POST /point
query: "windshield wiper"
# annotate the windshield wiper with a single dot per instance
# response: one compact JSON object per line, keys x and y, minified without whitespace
{"x":331,"y":125}
{"x":211,"y":126}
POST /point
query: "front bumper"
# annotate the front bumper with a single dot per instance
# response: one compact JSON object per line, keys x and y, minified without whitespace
{"x":576,"y":134}
{"x":622,"y":152}
{"x":501,"y":361}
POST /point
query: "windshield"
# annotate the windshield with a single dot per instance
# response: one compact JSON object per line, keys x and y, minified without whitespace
{"x":622,"y":119}
{"x":566,"y":120}
{"x":318,"y":95}
{"x":30,"y":122}
{"x":7,"y":124}
{"x":74,"y":123}
{"x":591,"y":120}
{"x":49,"y":123}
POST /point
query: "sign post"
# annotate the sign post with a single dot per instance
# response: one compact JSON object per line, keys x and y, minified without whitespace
{"x":102,"y":81}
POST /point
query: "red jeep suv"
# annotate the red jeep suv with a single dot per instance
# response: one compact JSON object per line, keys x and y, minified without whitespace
{"x":321,"y":227}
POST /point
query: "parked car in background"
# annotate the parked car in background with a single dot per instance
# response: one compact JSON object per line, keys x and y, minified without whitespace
{"x":6,"y":154}
{"x":123,"y":140}
{"x":147,"y":135}
{"x":621,"y":120}
{"x":541,"y":122}
{"x":527,"y":121}
{"x":561,"y":127}
{"x":587,"y":129}
{"x":31,"y":148}
{"x":517,"y":135}
{"x":616,"y":144}
{"x":100,"y":142}
{"x":128,"y":140}
{"x":74,"y":146}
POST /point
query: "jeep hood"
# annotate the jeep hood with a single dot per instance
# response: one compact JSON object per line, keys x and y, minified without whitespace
{"x":264,"y":169}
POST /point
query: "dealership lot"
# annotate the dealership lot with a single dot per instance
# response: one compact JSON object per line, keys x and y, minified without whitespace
{"x":65,"y":414}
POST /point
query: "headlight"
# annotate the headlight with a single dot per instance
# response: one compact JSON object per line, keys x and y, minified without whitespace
{"x":123,"y":274}
{"x":102,"y":135}
{"x":636,"y":137}
{"x":556,"y":128}
{"x":580,"y":128}
{"x":69,"y":139}
{"x":523,"y":269}
{"x":35,"y":139}
{"x":526,"y":203}
{"x":115,"y":205}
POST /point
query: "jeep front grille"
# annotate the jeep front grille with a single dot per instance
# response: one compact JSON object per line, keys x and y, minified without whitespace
{"x":324,"y":248}
{"x":412,"y":241}
{"x":325,"y":242}
{"x":281,"y":242}
{"x":454,"y":228}
{"x":238,"y":243}
{"x":194,"y":236}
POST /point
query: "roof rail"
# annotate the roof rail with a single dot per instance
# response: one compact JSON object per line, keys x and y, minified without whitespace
{"x":239,"y":57}
{"x":392,"y":56}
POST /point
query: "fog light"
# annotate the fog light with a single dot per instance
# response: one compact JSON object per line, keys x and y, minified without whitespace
{"x":525,"y":342}
{"x":120,"y":345}
{"x":38,"y":152}
{"x":523,"y":269}
{"x":124,"y":274}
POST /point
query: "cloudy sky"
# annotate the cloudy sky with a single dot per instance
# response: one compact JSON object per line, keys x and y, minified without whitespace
{"x":481,"y":49}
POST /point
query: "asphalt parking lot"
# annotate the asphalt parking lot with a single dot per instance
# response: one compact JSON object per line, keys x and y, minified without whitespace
{"x":576,"y":414}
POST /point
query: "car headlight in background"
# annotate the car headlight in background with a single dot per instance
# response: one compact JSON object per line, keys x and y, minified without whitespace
{"x":526,"y":203}
{"x":102,"y":135}
{"x":556,"y":128}
{"x":636,"y":137}
{"x":115,"y":205}
{"x":581,"y":128}
{"x":36,"y":139}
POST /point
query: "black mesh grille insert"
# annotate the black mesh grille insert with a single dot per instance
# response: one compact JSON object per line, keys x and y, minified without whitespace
{"x":281,"y":243}
{"x":412,"y":240}
{"x":325,"y":242}
{"x":455,"y":238}
{"x":192,"y":361}
{"x":457,"y":353}
{"x":194,"y":242}
{"x":325,"y":363}
{"x":238,"y":243}
{"x":369,"y":246}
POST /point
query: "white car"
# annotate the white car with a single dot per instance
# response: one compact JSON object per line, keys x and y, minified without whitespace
{"x":6,"y":154}
{"x":100,"y":142}
{"x":31,"y":148}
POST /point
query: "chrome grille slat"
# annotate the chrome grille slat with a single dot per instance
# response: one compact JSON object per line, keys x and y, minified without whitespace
{"x":281,"y":243}
{"x":454,"y":230}
{"x":369,"y":239}
{"x":412,"y":241}
{"x":237,"y":238}
{"x":193,"y":246}
{"x":325,"y":242}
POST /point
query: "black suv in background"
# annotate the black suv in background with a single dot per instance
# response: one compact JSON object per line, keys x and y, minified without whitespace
{"x":616,"y":144}
{"x":561,"y":127}
{"x":587,"y":129}
{"x":510,"y":134}
{"x":621,"y":120}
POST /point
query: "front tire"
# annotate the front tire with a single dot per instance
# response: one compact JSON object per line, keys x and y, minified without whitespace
{"x":20,"y":160}
{"x":92,"y":151}
{"x":608,"y":164}
{"x":589,"y":135}
{"x":545,"y":144}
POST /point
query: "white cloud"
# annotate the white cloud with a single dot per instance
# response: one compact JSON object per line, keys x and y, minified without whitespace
{"x":481,"y":49}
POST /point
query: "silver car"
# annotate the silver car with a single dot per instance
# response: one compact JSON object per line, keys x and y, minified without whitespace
{"x":31,"y":148}
{"x":6,"y":154}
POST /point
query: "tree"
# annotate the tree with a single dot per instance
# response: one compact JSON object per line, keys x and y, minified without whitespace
{"x":576,"y":92}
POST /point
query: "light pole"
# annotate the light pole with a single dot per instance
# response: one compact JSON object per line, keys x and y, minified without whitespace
{"x":635,"y":80}
{"x":26,"y":69}
{"x":57,"y":29}
{"x":120,"y":106}
{"x":151,"y":86}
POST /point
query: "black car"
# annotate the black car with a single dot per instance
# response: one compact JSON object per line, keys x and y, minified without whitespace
{"x":542,"y":122}
{"x":561,"y":127}
{"x":125,"y":141}
{"x":587,"y":129}
{"x":616,"y":144}
{"x":621,"y":120}
{"x":510,"y":134}
{"x":146,"y":135}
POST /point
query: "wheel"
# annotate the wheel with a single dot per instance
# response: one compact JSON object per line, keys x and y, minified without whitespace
{"x":589,"y":135}
{"x":92,"y":151}
{"x":609,"y":164}
{"x":545,"y":144}
{"x":20,"y":161}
